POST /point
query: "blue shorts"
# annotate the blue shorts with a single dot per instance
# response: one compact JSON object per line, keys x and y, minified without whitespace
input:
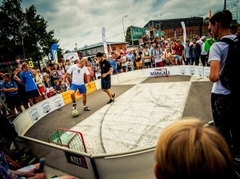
{"x":81,"y":88}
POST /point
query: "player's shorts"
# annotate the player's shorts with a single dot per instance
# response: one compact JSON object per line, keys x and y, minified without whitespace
{"x":81,"y":88}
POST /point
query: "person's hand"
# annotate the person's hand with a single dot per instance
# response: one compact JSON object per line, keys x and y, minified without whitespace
{"x":41,"y":175}
{"x":104,"y":75}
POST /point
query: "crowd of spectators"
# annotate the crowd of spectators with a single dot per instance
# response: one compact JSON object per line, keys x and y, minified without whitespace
{"x":152,"y":51}
{"x":29,"y":86}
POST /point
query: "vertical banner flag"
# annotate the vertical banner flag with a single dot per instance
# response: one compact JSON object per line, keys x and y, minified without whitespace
{"x":184,"y":32}
{"x":175,"y":34}
{"x":53,"y":52}
{"x":104,"y":41}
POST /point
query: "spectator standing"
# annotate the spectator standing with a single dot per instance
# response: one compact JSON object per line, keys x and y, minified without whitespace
{"x":195,"y":51}
{"x":113,"y":64}
{"x":21,"y":87}
{"x":31,"y":89}
{"x":146,"y":57}
{"x":138,"y":58}
{"x":46,"y":77}
{"x":130,"y":56}
{"x":179,"y":51}
{"x":186,"y":55}
{"x":157,"y":56}
{"x":106,"y":71}
{"x":223,"y":102}
{"x":39,"y":82}
{"x":204,"y":54}
{"x":123,"y":62}
{"x":10,"y":89}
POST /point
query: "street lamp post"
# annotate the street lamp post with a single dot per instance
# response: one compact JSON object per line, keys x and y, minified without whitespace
{"x":123,"y":26}
{"x":23,"y":34}
{"x":225,"y":5}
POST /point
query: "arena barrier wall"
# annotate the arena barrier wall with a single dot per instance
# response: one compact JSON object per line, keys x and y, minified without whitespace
{"x":129,"y":164}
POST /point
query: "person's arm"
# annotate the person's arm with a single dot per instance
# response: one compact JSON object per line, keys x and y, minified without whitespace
{"x":65,"y":76}
{"x":109,"y":72}
{"x":214,"y":70}
{"x":9,"y":90}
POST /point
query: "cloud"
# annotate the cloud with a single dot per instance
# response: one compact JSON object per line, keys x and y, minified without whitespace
{"x":81,"y":21}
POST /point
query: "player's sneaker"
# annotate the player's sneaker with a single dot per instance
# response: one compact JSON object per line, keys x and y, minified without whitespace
{"x":86,"y":108}
{"x":74,"y":106}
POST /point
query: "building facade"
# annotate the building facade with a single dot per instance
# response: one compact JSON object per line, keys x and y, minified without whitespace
{"x":91,"y":50}
{"x":234,"y":6}
{"x":172,"y":28}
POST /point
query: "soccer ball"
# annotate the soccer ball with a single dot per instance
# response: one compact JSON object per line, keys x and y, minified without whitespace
{"x":75,"y":113}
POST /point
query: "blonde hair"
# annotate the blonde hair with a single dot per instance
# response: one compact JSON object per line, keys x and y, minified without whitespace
{"x":187,"y":150}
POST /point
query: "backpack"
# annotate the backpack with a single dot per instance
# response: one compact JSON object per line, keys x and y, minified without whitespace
{"x":230,"y":74}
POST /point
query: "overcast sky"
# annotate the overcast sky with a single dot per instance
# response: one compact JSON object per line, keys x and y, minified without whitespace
{"x":80,"y":21}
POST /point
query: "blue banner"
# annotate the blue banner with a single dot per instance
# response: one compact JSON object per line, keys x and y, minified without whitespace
{"x":53,"y":52}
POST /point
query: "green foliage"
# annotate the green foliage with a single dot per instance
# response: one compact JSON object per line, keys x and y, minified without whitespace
{"x":23,"y":33}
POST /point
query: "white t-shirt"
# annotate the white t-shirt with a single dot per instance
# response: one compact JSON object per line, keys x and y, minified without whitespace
{"x":219,"y":51}
{"x":78,"y":74}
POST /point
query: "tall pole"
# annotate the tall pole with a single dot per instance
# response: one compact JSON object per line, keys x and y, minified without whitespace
{"x":225,"y":5}
{"x":123,"y":26}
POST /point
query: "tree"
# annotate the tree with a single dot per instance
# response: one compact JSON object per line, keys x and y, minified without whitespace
{"x":23,"y":34}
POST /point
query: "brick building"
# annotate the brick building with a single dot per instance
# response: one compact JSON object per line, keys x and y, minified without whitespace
{"x":91,"y":50}
{"x":194,"y":26}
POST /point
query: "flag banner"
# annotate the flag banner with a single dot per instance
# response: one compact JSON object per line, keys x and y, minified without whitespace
{"x":184,"y":32}
{"x":53,"y":52}
{"x":104,"y":41}
{"x":175,"y":34}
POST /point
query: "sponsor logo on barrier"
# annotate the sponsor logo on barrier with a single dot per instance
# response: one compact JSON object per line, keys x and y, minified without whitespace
{"x":206,"y":72}
{"x":192,"y":70}
{"x":34,"y":114}
{"x":159,"y":72}
{"x":58,"y":101}
{"x":46,"y":107}
{"x":200,"y":72}
{"x":182,"y":70}
{"x":76,"y":159}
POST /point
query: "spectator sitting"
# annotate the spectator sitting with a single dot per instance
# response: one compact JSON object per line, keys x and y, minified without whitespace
{"x":129,"y":65}
{"x":58,"y":87}
{"x":187,"y":150}
{"x":28,"y":172}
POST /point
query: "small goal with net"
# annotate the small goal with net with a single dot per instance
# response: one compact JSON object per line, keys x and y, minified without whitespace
{"x":68,"y":138}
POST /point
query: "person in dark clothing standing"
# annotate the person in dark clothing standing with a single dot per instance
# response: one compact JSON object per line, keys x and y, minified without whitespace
{"x":21,"y":88}
{"x":195,"y":52}
{"x":106,"y":71}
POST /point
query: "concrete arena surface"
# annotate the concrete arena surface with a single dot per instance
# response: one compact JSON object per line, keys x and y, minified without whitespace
{"x":142,"y":108}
